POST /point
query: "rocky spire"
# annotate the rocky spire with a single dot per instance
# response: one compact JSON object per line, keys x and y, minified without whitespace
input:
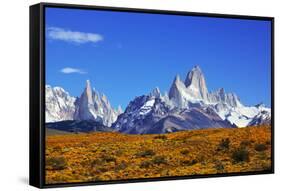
{"x":177,"y":92}
{"x":88,"y":92}
{"x":177,"y":79}
{"x":174,"y":87}
{"x":220,"y":96}
{"x":93,"y":106}
{"x":119,"y":110}
{"x":155,"y":92}
{"x":260,"y":105}
{"x":195,"y":81}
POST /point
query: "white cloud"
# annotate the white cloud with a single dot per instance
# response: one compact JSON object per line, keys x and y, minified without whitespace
{"x":69,"y":70}
{"x":57,"y":33}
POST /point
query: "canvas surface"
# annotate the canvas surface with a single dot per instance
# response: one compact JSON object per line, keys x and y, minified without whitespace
{"x":134,"y":95}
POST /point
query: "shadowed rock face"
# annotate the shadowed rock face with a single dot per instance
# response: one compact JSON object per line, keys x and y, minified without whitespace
{"x":141,"y":113}
{"x":188,"y":120}
{"x":160,"y":118}
{"x":78,"y":126}
{"x":263,"y":118}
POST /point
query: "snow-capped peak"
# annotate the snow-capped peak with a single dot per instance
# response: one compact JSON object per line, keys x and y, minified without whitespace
{"x":90,"y":105}
{"x":179,"y":94}
{"x":195,"y":82}
{"x":88,"y":92}
{"x":195,"y":92}
{"x":220,"y":96}
{"x":59,"y":104}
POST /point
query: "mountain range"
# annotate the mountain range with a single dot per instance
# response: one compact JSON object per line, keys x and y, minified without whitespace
{"x":188,"y":105}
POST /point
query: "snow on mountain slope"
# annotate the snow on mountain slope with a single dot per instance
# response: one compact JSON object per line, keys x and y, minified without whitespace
{"x":188,"y":105}
{"x":240,"y":115}
{"x":262,"y":118}
{"x":227,"y":105}
{"x":141,"y":113}
{"x":152,"y":114}
{"x":59,"y":104}
{"x":189,"y":119}
{"x":216,"y":108}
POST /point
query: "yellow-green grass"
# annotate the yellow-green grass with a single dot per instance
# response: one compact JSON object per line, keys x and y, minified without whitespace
{"x":103,"y":156}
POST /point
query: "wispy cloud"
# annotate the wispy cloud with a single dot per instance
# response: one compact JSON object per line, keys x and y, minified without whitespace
{"x":69,"y":70}
{"x":67,"y":35}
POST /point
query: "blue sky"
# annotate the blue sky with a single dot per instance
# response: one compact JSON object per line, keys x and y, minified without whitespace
{"x":125,"y":55}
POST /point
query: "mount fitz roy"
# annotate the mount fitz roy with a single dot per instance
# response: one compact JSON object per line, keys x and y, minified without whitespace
{"x":188,"y":105}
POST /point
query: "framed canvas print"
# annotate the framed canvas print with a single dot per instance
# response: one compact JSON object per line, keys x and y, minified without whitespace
{"x":125,"y":95}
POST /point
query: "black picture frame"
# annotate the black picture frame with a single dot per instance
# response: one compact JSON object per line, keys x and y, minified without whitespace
{"x":37,"y":92}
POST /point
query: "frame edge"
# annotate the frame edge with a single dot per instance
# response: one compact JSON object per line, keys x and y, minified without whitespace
{"x":36,"y":67}
{"x":35,"y":162}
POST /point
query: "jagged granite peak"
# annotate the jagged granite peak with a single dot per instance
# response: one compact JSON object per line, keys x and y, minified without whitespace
{"x":260,"y":105}
{"x":59,"y":104}
{"x":84,"y":106}
{"x":195,"y":81}
{"x":119,"y":110}
{"x":177,"y":79}
{"x":220,"y":96}
{"x":221,"y":92}
{"x":91,"y":106}
{"x":193,"y":90}
{"x":178,"y":93}
{"x":88,"y":92}
{"x":155,"y":92}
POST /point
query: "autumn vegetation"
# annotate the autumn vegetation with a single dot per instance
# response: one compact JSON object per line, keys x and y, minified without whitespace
{"x":103,"y":156}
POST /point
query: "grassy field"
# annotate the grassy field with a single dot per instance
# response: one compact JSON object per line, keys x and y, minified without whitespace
{"x":114,"y":156}
{"x":50,"y":132}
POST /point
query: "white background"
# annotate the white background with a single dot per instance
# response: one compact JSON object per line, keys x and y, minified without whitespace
{"x":14,"y":72}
